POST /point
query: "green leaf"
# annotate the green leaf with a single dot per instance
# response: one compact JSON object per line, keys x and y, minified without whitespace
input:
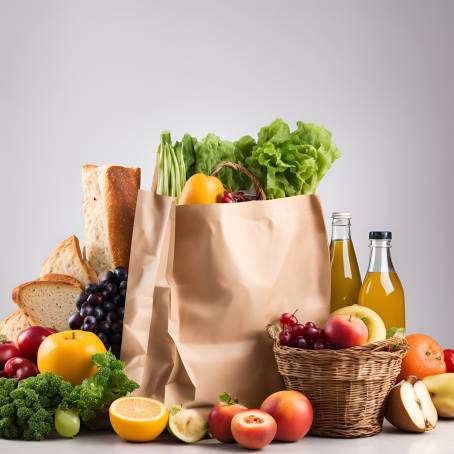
{"x":174,"y":409}
{"x":227,"y":399}
{"x":395,"y":331}
{"x":292,"y":163}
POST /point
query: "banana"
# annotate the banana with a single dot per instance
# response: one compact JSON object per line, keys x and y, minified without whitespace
{"x":441,"y":388}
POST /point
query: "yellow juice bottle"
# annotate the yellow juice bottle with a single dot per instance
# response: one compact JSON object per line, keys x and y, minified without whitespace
{"x":345,"y":276}
{"x":382,"y":290}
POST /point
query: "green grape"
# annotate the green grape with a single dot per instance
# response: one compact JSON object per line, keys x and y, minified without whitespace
{"x":67,"y":423}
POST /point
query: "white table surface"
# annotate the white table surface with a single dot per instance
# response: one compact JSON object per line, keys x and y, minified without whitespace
{"x":390,"y":441}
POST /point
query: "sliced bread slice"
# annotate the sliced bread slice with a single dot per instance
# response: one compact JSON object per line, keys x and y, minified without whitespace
{"x":67,"y":259}
{"x":13,"y":324}
{"x":48,"y":303}
{"x":110,"y":196}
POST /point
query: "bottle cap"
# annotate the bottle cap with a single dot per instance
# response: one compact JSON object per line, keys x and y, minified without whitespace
{"x":380,"y":235}
{"x":341,"y":215}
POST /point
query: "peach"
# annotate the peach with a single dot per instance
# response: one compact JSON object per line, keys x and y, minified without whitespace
{"x":220,"y":418}
{"x":346,"y":331}
{"x":293,"y":413}
{"x":253,"y":429}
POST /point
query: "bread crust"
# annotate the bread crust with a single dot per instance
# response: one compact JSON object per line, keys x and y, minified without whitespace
{"x":73,"y":244}
{"x":61,"y":278}
{"x":121,"y":186}
{"x":118,"y":187}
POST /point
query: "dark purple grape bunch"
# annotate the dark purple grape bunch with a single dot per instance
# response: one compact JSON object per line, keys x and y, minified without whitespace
{"x":101,"y":309}
{"x":302,"y":335}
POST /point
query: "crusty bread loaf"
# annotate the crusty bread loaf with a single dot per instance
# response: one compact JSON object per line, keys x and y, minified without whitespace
{"x":110,"y":196}
{"x":48,"y":302}
{"x":67,"y":259}
{"x":13,"y":324}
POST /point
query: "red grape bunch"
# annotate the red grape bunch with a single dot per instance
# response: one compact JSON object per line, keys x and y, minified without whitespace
{"x":101,"y":309}
{"x":233,"y":197}
{"x":302,"y":335}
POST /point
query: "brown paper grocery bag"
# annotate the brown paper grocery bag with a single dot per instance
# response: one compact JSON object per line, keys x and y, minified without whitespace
{"x":205,"y":280}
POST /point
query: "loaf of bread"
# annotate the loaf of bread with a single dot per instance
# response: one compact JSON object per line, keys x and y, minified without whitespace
{"x":13,"y":324}
{"x":66,"y":259}
{"x":48,"y":302}
{"x":110,"y":196}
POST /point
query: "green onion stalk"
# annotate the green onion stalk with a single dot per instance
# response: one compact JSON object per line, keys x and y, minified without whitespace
{"x":171,"y":168}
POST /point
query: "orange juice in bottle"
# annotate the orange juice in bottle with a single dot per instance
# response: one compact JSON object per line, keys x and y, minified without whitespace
{"x":382,"y":290}
{"x":345,"y":276}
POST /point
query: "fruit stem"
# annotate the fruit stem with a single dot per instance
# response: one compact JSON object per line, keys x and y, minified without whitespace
{"x":412,"y":379}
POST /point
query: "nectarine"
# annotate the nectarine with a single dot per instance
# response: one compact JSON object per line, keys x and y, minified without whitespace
{"x":293,"y":413}
{"x":253,"y":429}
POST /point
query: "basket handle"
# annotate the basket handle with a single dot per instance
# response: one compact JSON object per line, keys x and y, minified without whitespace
{"x":273,"y":331}
{"x":260,"y":193}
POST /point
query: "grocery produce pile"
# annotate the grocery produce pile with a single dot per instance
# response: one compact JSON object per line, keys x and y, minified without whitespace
{"x":75,"y":309}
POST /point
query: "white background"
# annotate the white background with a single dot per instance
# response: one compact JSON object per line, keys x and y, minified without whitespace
{"x":95,"y":81}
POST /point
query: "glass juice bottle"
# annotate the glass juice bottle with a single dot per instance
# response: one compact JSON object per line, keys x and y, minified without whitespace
{"x":345,"y":276}
{"x":382,"y":290}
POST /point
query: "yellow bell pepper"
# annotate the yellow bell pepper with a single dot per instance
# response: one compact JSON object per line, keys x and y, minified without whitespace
{"x":201,"y":189}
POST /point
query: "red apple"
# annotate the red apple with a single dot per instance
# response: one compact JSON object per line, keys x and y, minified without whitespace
{"x":293,"y":413}
{"x":253,"y":429}
{"x":20,"y":368}
{"x":346,"y":331}
{"x":220,"y":418}
{"x":29,"y":340}
{"x":7,"y":351}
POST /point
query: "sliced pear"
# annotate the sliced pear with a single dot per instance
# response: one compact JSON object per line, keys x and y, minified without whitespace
{"x":374,"y":323}
{"x":410,"y":408}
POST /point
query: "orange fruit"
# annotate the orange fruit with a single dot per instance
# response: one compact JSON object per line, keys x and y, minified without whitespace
{"x":201,"y":189}
{"x":68,"y":354}
{"x":138,"y":418}
{"x":424,"y":357}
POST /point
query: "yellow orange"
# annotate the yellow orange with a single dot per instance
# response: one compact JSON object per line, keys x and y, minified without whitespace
{"x":201,"y":189}
{"x":138,"y":418}
{"x":69,"y":354}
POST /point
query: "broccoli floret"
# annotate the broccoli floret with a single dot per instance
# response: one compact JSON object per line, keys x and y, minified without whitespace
{"x":27,"y":407}
{"x":98,"y":392}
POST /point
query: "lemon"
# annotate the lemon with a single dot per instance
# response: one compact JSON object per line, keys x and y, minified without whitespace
{"x":138,"y":418}
{"x":187,"y":425}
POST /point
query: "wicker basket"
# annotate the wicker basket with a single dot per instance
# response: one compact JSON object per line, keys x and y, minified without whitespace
{"x":347,"y":387}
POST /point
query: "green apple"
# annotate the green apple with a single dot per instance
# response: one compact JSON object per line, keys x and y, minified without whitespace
{"x":441,"y":388}
{"x":374,"y":323}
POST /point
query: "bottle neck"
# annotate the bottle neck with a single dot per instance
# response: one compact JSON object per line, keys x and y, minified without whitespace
{"x":380,"y":256}
{"x":341,"y":230}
